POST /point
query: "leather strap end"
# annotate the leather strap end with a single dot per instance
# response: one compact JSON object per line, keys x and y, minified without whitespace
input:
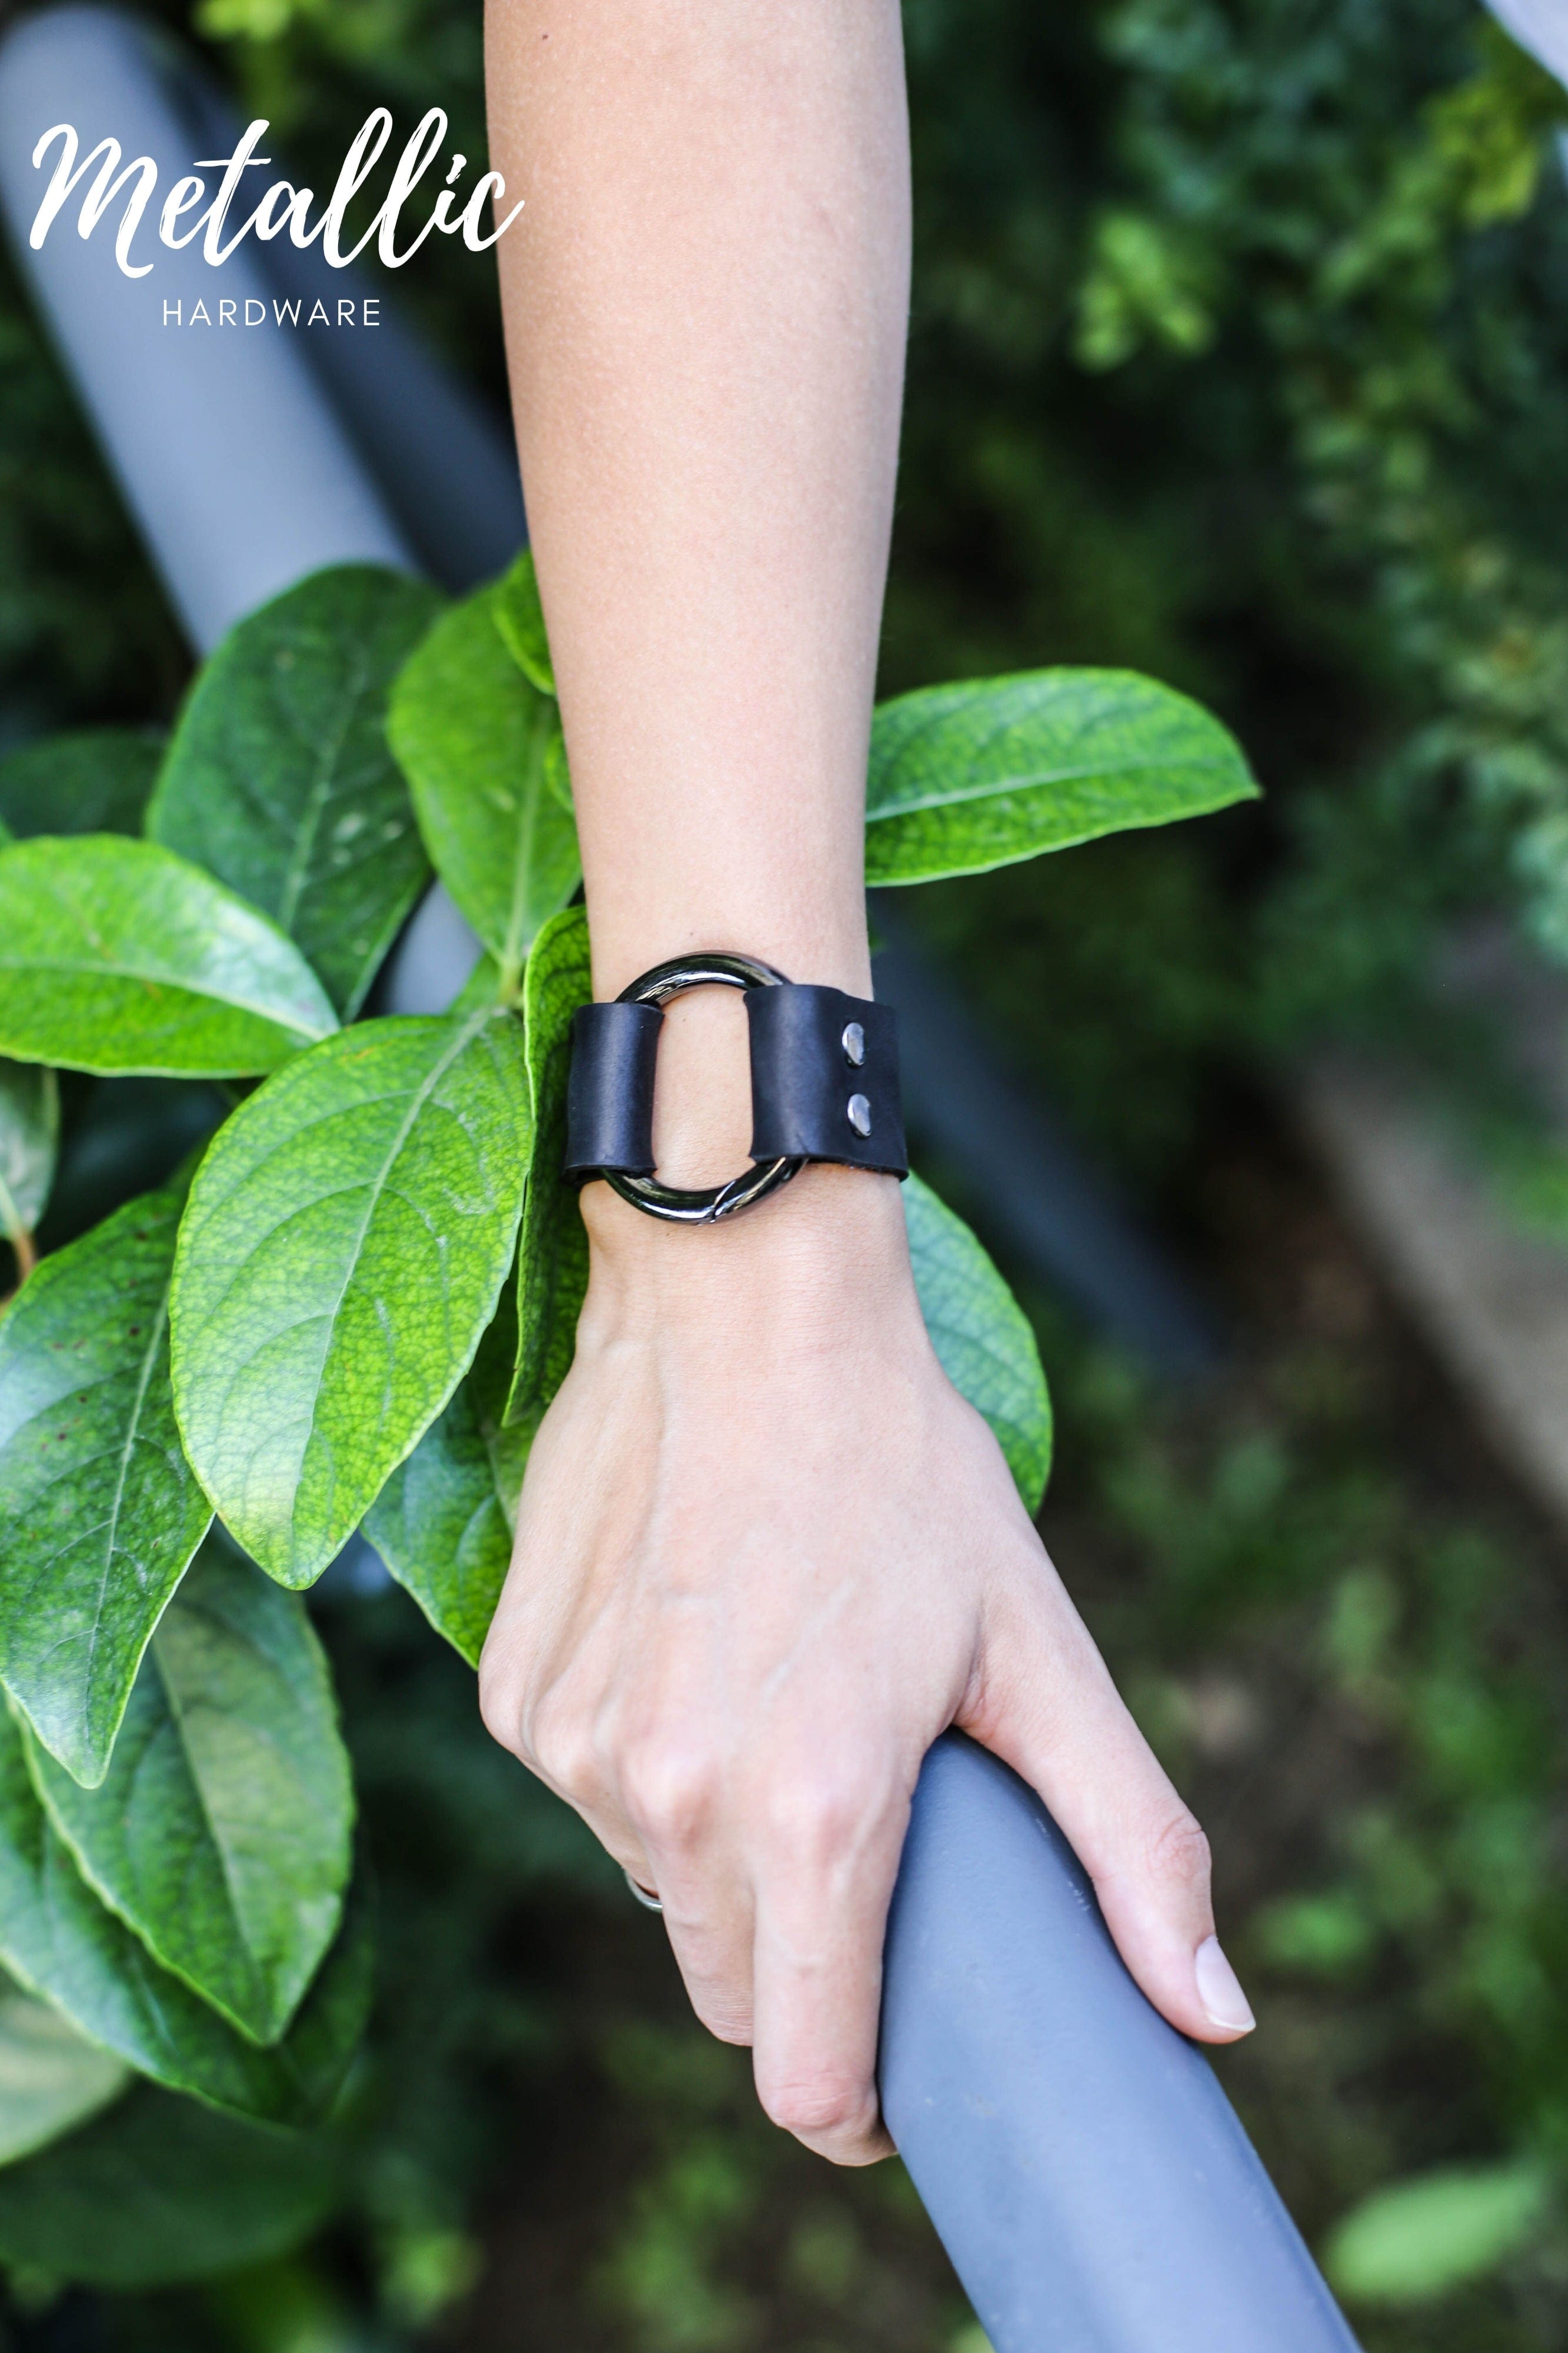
{"x":609,"y":1095}
{"x":825,"y":1078}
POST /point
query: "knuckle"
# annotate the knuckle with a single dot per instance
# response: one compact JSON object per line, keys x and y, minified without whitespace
{"x":820,"y":1816}
{"x":671,"y":1790}
{"x":498,"y":1704}
{"x":1179,"y":1853}
{"x":727,"y":2016}
{"x":560,"y":1742}
{"x":826,"y":2105}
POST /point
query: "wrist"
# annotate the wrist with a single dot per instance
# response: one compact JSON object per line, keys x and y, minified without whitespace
{"x":828,"y":1248}
{"x":808,"y":921}
{"x":831,"y":1238}
{"x":702,"y":1084}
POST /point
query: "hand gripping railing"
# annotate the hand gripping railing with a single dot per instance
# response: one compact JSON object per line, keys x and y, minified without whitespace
{"x":1078,"y":2156}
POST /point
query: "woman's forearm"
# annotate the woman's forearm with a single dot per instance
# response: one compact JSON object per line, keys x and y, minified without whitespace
{"x":705,"y":301}
{"x":765,"y":1554}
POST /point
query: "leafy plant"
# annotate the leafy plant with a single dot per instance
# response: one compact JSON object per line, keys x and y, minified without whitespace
{"x":480,"y":743}
{"x":354,"y":1311}
{"x":1359,"y":226}
{"x":157,"y":2190}
{"x":54,"y":2077}
{"x":90,"y":1465}
{"x":1418,"y":2239}
{"x":30,"y":1127}
{"x":279,"y":781}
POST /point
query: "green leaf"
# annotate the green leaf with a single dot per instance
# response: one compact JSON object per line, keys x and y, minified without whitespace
{"x":99,"y":1511}
{"x":279,"y":780}
{"x":552,"y":1253}
{"x":491,"y":1382}
{"x":988,"y":771}
{"x":438,"y":1526}
{"x":51,"y":2078}
{"x":445,"y":1521}
{"x":158,"y":2192}
{"x":475,"y":740}
{"x":982,"y":1337}
{"x":118,"y":955}
{"x":347,"y":1235}
{"x":222,"y":1832}
{"x":98,"y":781}
{"x":1419,"y":2239}
{"x":64,"y":1945}
{"x":29,"y":1134}
{"x":519,"y":618}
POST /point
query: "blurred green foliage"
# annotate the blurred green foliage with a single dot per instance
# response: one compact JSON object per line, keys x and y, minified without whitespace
{"x":1241,"y":350}
{"x":1349,"y":1646}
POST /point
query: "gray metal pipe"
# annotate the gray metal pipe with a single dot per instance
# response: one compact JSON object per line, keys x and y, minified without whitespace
{"x":1078,"y":2158}
{"x":1085,"y":2170}
{"x":442,"y":464}
{"x":228,"y":442}
{"x":238,"y":475}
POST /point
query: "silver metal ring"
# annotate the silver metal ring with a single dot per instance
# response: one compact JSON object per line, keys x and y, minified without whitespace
{"x":707,"y":1205}
{"x":649,"y":1902}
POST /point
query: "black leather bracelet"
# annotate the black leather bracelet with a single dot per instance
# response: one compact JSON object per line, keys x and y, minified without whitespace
{"x":825,"y":1086}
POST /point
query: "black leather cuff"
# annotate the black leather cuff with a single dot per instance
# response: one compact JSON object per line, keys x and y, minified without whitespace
{"x":824,"y":1082}
{"x":609,"y":1091}
{"x":825,"y":1078}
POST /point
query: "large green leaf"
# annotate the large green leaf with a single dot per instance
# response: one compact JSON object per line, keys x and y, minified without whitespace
{"x":29,"y":1133}
{"x":158,"y":2192}
{"x":279,"y":780}
{"x":491,"y":1384}
{"x":1421,"y":2238}
{"x":97,"y":780}
{"x":553,"y":1255}
{"x":477,"y":744}
{"x":51,"y":2077}
{"x":118,"y":955}
{"x":64,"y":1945}
{"x":991,"y":770}
{"x":99,"y":1511}
{"x":444,"y":1521}
{"x":222,"y":1832}
{"x":439,"y":1527}
{"x":982,"y":1337}
{"x":346,"y":1238}
{"x":519,"y":618}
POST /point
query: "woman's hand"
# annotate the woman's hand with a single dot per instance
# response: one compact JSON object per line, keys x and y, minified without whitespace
{"x":765,"y":1555}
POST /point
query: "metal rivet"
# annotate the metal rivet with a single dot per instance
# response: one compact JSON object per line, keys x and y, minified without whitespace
{"x":860,"y":1111}
{"x":854,"y":1043}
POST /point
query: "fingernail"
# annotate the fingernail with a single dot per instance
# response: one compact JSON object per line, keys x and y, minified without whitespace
{"x":1220,"y":1989}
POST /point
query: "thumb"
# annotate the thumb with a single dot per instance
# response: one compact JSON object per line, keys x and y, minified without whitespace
{"x":1042,"y":1700}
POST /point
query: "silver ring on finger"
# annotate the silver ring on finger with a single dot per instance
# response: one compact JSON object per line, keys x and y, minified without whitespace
{"x":644,"y":1895}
